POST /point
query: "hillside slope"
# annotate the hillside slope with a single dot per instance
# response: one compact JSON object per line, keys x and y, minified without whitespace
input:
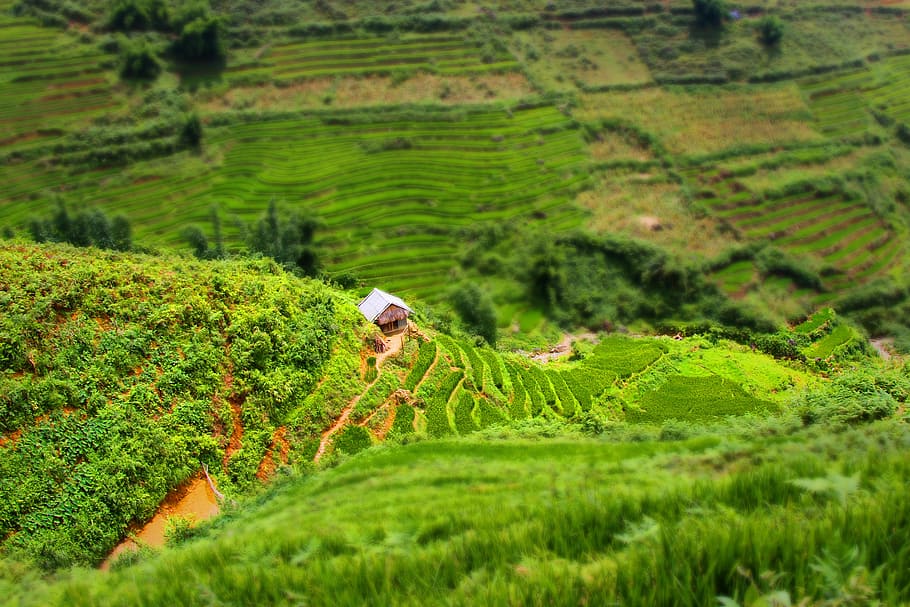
{"x":562,"y":521}
{"x":121,"y":376}
{"x":124,"y":376}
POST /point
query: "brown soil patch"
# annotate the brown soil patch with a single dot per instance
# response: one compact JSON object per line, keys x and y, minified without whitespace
{"x":236,"y":433}
{"x":382,"y":432}
{"x":23,"y":138}
{"x":10,"y":439}
{"x":146,"y":179}
{"x":194,"y":499}
{"x":268,"y":465}
{"x":563,"y":348}
{"x":72,"y":95}
{"x":649,"y":222}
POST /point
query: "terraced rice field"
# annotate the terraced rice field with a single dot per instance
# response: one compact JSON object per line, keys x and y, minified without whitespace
{"x":393,"y":191}
{"x":842,"y":104}
{"x":841,"y":233}
{"x":50,"y":81}
{"x":446,"y":55}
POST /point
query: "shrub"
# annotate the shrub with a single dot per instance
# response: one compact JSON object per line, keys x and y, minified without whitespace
{"x":90,"y":227}
{"x":286,"y":238}
{"x":191,"y":132}
{"x":139,"y":62}
{"x":476,"y":311}
{"x":352,"y":439}
{"x":709,"y":12}
{"x":770,"y":30}
{"x":131,"y":15}
{"x":854,"y":398}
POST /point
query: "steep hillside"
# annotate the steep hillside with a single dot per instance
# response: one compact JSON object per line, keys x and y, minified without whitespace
{"x":122,"y":376}
{"x":562,"y":521}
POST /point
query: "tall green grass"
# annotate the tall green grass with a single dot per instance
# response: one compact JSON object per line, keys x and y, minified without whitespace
{"x":561,"y":522}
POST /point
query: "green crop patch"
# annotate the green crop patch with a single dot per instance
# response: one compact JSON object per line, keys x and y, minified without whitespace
{"x":287,"y":63}
{"x":54,"y":82}
{"x":621,"y":356}
{"x":696,"y":399}
{"x":365,"y":178}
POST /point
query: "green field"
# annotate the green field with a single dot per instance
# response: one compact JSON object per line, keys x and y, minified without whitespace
{"x":559,"y":521}
{"x":657,"y":266}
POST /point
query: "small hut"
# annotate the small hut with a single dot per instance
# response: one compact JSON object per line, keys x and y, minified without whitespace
{"x":385,"y":310}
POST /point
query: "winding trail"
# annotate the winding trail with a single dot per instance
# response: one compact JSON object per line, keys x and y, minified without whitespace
{"x":396,"y":343}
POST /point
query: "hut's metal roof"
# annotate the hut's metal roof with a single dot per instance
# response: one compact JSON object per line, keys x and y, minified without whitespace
{"x":377,"y":301}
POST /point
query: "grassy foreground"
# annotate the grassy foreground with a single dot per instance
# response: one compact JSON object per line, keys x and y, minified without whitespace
{"x":566,"y":521}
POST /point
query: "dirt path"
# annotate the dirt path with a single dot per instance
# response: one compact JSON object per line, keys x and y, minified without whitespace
{"x":563,"y":348}
{"x":389,"y":420}
{"x":194,"y":500}
{"x":395,"y":344}
{"x":884,"y":346}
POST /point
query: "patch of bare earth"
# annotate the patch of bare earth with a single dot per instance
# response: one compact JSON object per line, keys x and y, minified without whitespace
{"x":277,"y":452}
{"x":656,"y":212}
{"x":374,"y":90}
{"x":194,"y":499}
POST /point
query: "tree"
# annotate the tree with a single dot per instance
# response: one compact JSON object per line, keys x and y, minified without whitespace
{"x":86,"y":228}
{"x":709,"y":12}
{"x":288,"y":239}
{"x":191,"y":132}
{"x":770,"y":30}
{"x":131,"y":15}
{"x":476,"y":310}
{"x":200,"y":40}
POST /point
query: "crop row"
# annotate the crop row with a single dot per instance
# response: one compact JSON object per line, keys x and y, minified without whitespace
{"x":305,"y":60}
{"x":49,"y":80}
{"x":365,"y":180}
{"x":695,"y":399}
{"x":845,"y":234}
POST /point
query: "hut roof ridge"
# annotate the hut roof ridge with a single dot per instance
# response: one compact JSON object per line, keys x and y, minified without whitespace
{"x":377,"y":301}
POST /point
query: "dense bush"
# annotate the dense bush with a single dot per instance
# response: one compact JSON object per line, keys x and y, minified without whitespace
{"x":855,"y":397}
{"x":130,"y":15}
{"x":476,"y":310}
{"x":200,"y":40}
{"x":139,"y":62}
{"x":709,"y":12}
{"x":115,"y":369}
{"x":770,"y":30}
{"x":353,"y":439}
{"x":191,"y":131}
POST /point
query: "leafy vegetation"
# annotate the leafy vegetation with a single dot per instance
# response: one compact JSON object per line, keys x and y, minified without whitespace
{"x":701,"y":175}
{"x":119,"y":375}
